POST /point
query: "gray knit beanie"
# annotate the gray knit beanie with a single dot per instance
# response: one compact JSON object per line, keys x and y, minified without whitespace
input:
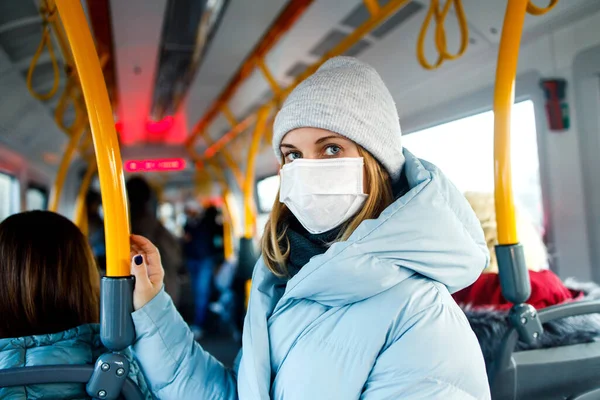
{"x":348,"y":97}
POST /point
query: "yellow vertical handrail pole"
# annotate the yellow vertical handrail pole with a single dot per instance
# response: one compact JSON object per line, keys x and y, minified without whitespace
{"x":229,"y":200}
{"x":237,"y":173}
{"x":80,"y":216}
{"x":504,"y":96}
{"x":63,"y":168}
{"x":249,"y":204}
{"x":106,"y":144}
{"x":227,"y":229}
{"x":227,"y":221}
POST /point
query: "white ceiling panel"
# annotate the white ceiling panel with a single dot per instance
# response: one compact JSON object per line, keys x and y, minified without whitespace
{"x":242,"y":26}
{"x":26,"y":125}
{"x":137,"y":26}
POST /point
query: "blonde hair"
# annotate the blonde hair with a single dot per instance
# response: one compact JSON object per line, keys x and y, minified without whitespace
{"x":275,"y":244}
{"x":536,"y":255}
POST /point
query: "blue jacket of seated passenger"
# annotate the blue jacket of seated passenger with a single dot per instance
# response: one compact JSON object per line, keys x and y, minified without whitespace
{"x":371,"y":318}
{"x":79,"y":345}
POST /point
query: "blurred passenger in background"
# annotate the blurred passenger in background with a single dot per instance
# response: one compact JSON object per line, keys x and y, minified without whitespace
{"x":202,"y":235}
{"x":143,"y":209}
{"x":546,"y":287}
{"x":93,"y":203}
{"x":487,"y":309}
{"x":49,"y":302}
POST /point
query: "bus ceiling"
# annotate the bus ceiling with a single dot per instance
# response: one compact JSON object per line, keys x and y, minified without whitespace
{"x":200,"y":80}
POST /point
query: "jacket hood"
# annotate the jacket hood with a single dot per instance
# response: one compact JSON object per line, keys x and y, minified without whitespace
{"x":431,"y":231}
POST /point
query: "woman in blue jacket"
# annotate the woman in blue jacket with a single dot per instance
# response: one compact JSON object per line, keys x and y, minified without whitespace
{"x":351,"y":298}
{"x":49,"y":302}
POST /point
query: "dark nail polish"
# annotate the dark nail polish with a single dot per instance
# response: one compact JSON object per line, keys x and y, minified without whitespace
{"x":138,"y":260}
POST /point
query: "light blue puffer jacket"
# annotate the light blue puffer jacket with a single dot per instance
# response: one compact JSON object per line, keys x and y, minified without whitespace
{"x":80,"y":345}
{"x":371,"y":318}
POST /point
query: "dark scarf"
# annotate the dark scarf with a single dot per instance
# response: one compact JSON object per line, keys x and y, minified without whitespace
{"x":305,"y":245}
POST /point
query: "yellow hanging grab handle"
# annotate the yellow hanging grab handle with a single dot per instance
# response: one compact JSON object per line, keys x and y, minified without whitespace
{"x":63,"y":169}
{"x":47,"y":17}
{"x":61,"y":107}
{"x":106,"y":144}
{"x":535,"y":10}
{"x":440,"y":33}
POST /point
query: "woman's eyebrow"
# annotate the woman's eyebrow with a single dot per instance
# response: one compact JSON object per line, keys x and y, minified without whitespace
{"x":324,"y":138}
{"x":289,"y":146}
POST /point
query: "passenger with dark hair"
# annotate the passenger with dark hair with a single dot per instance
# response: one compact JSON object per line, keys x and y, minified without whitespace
{"x":93,"y":202}
{"x":202,"y":253}
{"x":143,"y":209}
{"x":49,"y":301}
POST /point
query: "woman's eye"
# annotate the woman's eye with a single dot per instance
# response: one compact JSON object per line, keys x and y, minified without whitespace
{"x":292,"y":155}
{"x":332,"y":150}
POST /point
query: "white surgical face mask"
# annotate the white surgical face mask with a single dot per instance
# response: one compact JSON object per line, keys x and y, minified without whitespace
{"x":323,"y":194}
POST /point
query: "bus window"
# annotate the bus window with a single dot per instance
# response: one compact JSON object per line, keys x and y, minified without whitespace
{"x":464,"y":151}
{"x":267,"y":192}
{"x":9,"y":196}
{"x":36,"y":198}
{"x":167,"y":215}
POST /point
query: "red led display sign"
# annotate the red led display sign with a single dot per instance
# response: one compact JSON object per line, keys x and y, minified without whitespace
{"x":160,"y":165}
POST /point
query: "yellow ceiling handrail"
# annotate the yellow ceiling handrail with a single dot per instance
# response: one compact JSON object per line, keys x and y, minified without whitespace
{"x":383,"y":13}
{"x":282,"y":24}
{"x":106,"y":144}
{"x":235,"y":169}
{"x":372,"y":6}
{"x":275,"y":87}
{"x":440,"y":33}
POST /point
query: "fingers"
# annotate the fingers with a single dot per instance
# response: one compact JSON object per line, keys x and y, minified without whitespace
{"x":142,"y":244}
{"x":140,"y":271}
{"x":145,"y":288}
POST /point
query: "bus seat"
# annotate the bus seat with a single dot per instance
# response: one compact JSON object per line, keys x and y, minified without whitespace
{"x":566,"y":372}
{"x":491,"y":325}
{"x":24,"y":376}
